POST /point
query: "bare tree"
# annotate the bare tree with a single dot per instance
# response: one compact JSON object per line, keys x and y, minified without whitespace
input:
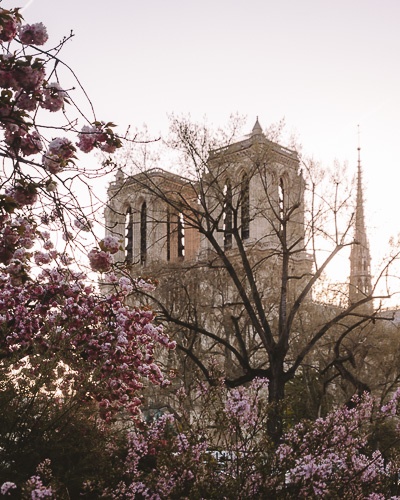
{"x":238,"y":246}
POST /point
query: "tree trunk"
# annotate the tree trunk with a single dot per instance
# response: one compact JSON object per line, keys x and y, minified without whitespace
{"x":276,"y":396}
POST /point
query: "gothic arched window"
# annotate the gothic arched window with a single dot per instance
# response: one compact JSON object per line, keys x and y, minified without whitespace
{"x":245,"y":207}
{"x":168,"y":234}
{"x":129,"y":236}
{"x":228,"y":216}
{"x":181,"y":236}
{"x":281,"y":202}
{"x":143,"y":233}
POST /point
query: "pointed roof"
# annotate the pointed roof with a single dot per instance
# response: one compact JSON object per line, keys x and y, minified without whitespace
{"x":360,"y":231}
{"x":257,"y":130}
{"x":360,"y":259}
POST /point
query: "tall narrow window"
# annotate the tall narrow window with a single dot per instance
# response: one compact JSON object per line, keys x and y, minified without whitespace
{"x":129,"y":236}
{"x":228,"y":217}
{"x":245,"y":207}
{"x":281,"y":202}
{"x":168,"y":235}
{"x":181,"y":236}
{"x":143,"y":233}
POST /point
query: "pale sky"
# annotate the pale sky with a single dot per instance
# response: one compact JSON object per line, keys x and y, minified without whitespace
{"x":323,"y":66}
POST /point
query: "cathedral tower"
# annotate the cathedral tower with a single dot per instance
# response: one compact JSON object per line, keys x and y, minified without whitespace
{"x":360,"y":259}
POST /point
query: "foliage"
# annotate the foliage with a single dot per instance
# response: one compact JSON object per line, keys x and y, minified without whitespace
{"x":40,"y":173}
{"x":73,"y":361}
{"x":225,"y":452}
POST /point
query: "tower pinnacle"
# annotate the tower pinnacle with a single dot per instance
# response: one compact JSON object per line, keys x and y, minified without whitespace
{"x":257,"y":128}
{"x":360,"y":259}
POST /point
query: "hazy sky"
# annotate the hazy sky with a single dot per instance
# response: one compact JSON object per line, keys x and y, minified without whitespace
{"x":323,"y":66}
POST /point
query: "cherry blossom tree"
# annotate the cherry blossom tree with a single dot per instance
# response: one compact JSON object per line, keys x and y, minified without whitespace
{"x":67,"y":351}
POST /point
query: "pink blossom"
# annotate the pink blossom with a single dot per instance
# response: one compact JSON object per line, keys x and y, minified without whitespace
{"x":30,"y":77}
{"x":62,"y":147}
{"x":52,"y":163}
{"x":7,"y":487}
{"x":100,"y":261}
{"x":60,"y":151}
{"x":87,"y":138}
{"x":53,"y":97}
{"x":31,"y":144}
{"x":37,"y":489}
{"x":391,"y":406}
{"x":42,"y":258}
{"x":116,"y":343}
{"x":100,"y":135}
{"x":20,"y":254}
{"x":9,"y":28}
{"x":67,"y":236}
{"x":26,"y":242}
{"x":48,"y":245}
{"x":28,"y":101}
{"x":145,"y":285}
{"x":13,"y":133}
{"x":110,"y":244}
{"x":125,"y":285}
{"x":35,"y":34}
{"x":112,"y":278}
{"x":23,"y":194}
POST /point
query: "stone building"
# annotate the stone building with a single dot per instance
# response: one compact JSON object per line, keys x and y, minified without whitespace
{"x":248,"y":185}
{"x":228,"y":249}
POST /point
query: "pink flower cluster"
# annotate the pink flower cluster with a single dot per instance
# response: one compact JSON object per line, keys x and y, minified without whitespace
{"x":33,"y":34}
{"x":110,"y":341}
{"x":23,"y":194}
{"x":53,"y":97}
{"x":242,"y":404}
{"x":29,"y":77}
{"x":29,"y":34}
{"x":9,"y":26}
{"x":332,"y":450}
{"x":327,"y":458}
{"x":17,"y":137}
{"x":100,"y":261}
{"x":21,"y":73}
{"x":185,"y":458}
{"x":24,"y":77}
{"x":43,"y":258}
{"x":7,"y":487}
{"x":27,"y":101}
{"x":99,"y":135}
{"x":37,"y":489}
{"x":144,"y":285}
{"x":31,"y":144}
{"x":59,"y":153}
{"x":110,"y":244}
{"x":125,"y":285}
{"x":15,"y":234}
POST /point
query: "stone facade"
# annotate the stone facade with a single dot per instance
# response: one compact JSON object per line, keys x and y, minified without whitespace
{"x":257,"y":178}
{"x":228,"y":249}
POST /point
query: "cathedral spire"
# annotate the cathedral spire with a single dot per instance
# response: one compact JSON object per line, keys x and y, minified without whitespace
{"x":360,"y":259}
